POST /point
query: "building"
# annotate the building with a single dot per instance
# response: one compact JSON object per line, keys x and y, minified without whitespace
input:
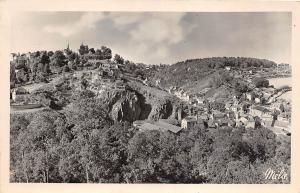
{"x":19,"y":94}
{"x":168,"y":127}
{"x":138,"y":123}
{"x":211,"y":124}
{"x":232,"y":115}
{"x":217,"y":115}
{"x":227,"y":68}
{"x":249,"y":96}
{"x":235,"y":108}
{"x":189,"y":122}
{"x":149,"y":127}
{"x":257,"y":100}
{"x":228,"y":106}
{"x":158,"y":126}
{"x":222,"y":122}
{"x":277,"y":106}
{"x":200,"y":100}
{"x":260,"y":111}
{"x":250,"y":125}
{"x":243,"y":120}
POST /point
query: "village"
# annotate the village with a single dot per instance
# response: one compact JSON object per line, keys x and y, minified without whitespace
{"x":262,"y":107}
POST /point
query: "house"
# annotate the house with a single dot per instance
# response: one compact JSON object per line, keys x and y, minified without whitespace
{"x":222,"y":122}
{"x":235,"y":108}
{"x":200,"y":100}
{"x":243,"y":120}
{"x":260,"y":111}
{"x":188,"y":122}
{"x":217,"y":115}
{"x":249,"y":96}
{"x":257,"y":100}
{"x":138,"y":123}
{"x":277,"y":106}
{"x":232,"y":115}
{"x":168,"y":127}
{"x":150,"y":127}
{"x":211,"y":124}
{"x":203,"y":117}
{"x":19,"y":94}
{"x":250,"y":125}
{"x":227,"y":106}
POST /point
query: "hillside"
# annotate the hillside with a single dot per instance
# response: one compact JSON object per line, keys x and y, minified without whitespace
{"x":86,"y":129}
{"x":222,"y":75}
{"x":190,"y":72}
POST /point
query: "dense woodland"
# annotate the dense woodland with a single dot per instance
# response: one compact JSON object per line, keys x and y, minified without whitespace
{"x":194,"y":70}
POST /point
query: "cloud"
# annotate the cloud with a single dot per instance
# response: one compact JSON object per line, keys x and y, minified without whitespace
{"x":122,"y":19}
{"x":152,"y":34}
{"x":86,"y":21}
{"x":159,"y":28}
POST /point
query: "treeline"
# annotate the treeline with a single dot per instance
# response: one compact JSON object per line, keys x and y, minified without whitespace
{"x":189,"y":71}
{"x":64,"y":146}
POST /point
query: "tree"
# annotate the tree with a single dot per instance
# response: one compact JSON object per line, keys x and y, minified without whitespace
{"x":45,"y":59}
{"x":50,"y":53}
{"x":261,"y":82}
{"x":92,"y":50}
{"x":106,"y":52}
{"x":81,"y":156}
{"x":84,"y":83}
{"x":35,"y":149}
{"x":83,"y":49}
{"x":118,"y":59}
{"x":57,"y":61}
{"x":58,"y":58}
{"x":98,"y":52}
{"x":13,"y":77}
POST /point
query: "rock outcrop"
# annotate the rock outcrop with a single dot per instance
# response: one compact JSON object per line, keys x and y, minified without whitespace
{"x":132,"y":105}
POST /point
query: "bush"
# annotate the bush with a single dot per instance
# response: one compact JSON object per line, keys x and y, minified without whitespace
{"x":261,"y":82}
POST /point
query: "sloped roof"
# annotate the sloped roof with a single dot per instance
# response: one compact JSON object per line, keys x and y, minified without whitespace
{"x":260,"y":108}
{"x":149,"y":126}
{"x":190,"y":119}
{"x":21,"y":90}
{"x":167,"y":126}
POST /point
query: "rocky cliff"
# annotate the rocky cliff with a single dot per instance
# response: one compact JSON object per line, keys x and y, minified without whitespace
{"x":134,"y":104}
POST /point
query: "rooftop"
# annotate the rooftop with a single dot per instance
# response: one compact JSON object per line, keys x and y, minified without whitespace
{"x":161,"y":126}
{"x":21,"y":90}
{"x":260,"y":108}
{"x":191,"y":119}
{"x":169,"y":127}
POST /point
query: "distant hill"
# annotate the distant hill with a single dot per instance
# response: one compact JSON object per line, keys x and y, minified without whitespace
{"x":198,"y":71}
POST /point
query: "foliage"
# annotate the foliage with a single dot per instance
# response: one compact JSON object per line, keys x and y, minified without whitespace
{"x":186,"y":72}
{"x":118,"y":59}
{"x":261,"y":82}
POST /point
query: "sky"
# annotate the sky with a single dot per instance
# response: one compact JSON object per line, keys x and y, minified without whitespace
{"x":158,"y":37}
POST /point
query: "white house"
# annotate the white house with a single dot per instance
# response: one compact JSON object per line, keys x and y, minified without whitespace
{"x":257,"y":100}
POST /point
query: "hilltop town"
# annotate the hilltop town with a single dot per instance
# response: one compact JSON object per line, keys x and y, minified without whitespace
{"x":232,"y":95}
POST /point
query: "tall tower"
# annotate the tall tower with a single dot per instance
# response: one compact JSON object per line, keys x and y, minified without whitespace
{"x":68,"y":47}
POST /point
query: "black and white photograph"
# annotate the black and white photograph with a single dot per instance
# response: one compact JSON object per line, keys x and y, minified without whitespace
{"x":136,"y":97}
